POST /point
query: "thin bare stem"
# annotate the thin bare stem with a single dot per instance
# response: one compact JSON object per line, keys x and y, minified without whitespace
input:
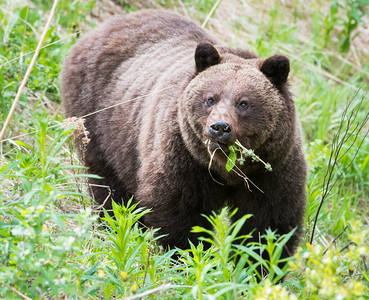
{"x":149,"y":292}
{"x":107,"y":197}
{"x":347,"y":246}
{"x":210,"y":163}
{"x":261,"y":255}
{"x":335,"y":239}
{"x":20,"y":294}
{"x":130,"y":100}
{"x":344,"y":135}
{"x":211,"y":13}
{"x":95,"y":112}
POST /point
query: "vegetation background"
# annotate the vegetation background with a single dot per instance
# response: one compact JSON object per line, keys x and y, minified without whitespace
{"x":51,"y":244}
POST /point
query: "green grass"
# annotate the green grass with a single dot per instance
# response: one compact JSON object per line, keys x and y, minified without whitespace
{"x":53,"y":246}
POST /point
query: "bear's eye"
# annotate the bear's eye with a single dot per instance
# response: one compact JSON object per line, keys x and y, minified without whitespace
{"x":243,"y":105}
{"x":211,"y":101}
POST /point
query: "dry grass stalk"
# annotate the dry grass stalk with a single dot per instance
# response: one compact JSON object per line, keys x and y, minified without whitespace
{"x":212,"y":154}
{"x":29,"y":70}
{"x":149,"y":292}
{"x":80,"y":133}
{"x":211,"y":13}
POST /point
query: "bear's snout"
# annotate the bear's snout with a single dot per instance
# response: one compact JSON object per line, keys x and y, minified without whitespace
{"x":220,"y":131}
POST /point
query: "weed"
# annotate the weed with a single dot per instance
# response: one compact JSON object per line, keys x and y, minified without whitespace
{"x":347,"y":15}
{"x":40,"y":253}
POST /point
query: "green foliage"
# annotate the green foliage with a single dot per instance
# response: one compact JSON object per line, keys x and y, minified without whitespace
{"x":202,"y":6}
{"x":346,"y":15}
{"x":19,"y":34}
{"x":273,"y":249}
{"x":332,"y":273}
{"x":52,"y":246}
{"x":230,"y":267}
{"x":130,"y":263}
{"x":40,"y":253}
{"x":127,"y":6}
{"x":123,"y":228}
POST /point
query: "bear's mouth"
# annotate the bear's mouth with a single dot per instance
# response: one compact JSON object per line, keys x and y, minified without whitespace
{"x":214,"y":146}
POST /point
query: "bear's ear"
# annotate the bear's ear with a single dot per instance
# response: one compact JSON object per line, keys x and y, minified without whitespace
{"x":206,"y":56}
{"x":276,"y":68}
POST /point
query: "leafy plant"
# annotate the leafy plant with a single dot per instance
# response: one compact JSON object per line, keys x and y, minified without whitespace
{"x":130,"y":264}
{"x":347,"y":14}
{"x":334,"y":272}
{"x":40,"y":253}
{"x":244,"y":153}
{"x":230,"y":267}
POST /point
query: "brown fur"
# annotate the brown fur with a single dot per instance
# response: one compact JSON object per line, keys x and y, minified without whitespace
{"x":153,"y":147}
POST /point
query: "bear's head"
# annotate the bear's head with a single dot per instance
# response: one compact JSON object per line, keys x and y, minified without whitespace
{"x":231,"y":98}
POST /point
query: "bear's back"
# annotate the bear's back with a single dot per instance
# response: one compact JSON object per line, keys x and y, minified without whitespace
{"x":141,"y":43}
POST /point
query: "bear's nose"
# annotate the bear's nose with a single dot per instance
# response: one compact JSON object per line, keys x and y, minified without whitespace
{"x":220,"y":130}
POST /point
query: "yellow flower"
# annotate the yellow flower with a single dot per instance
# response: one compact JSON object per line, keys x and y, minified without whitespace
{"x":133,"y":288}
{"x":124,"y":275}
{"x":44,"y":227}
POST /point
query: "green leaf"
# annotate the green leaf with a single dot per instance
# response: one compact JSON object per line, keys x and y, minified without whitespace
{"x":24,"y":13}
{"x":231,"y":160}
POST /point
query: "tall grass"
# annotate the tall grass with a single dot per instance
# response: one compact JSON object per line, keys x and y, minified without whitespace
{"x":53,"y":246}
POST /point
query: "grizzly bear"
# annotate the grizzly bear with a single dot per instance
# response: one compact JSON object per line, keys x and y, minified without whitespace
{"x":163,"y":100}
